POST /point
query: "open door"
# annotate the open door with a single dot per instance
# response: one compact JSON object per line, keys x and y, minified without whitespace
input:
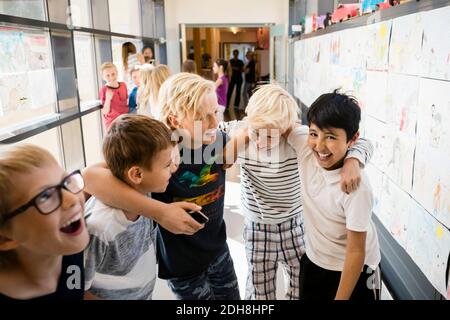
{"x":278,"y":55}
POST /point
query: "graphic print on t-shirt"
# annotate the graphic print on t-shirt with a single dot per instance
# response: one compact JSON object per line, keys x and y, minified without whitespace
{"x":202,"y":179}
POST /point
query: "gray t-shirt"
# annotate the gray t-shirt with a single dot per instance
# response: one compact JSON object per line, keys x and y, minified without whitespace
{"x":120,"y":261}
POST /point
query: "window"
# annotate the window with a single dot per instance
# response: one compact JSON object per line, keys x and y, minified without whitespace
{"x":100,"y":14}
{"x":27,"y":83}
{"x":125,"y":16}
{"x":50,"y":141}
{"x":58,"y":11}
{"x":32,"y":9}
{"x":81,"y":13}
{"x":64,"y":70}
{"x":49,"y":69}
{"x":92,"y":136}
{"x":148,"y":18}
{"x":86,"y":69}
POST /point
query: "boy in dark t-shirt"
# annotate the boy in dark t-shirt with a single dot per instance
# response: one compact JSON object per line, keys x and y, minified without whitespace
{"x":198,"y":266}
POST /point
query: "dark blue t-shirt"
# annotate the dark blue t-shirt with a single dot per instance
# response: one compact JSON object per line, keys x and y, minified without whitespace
{"x":70,"y":284}
{"x":204,"y":185}
{"x":132,"y":100}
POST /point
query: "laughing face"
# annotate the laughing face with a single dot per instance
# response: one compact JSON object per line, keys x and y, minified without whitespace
{"x":203,"y":129}
{"x":61,"y":232}
{"x":329,"y":145}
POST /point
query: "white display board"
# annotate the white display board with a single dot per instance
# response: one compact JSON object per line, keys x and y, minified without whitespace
{"x":399,"y":71}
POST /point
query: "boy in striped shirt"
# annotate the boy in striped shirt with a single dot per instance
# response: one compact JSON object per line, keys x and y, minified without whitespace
{"x":271,"y":190}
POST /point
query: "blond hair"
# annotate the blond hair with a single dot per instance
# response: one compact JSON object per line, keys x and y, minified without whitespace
{"x":108,"y":65}
{"x":134,"y":140}
{"x":18,"y":159}
{"x":151,"y":80}
{"x":271,"y":105}
{"x":182,"y":94}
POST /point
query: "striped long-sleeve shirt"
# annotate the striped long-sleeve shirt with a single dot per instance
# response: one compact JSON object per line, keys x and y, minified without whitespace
{"x":270,"y":183}
{"x":271,"y":188}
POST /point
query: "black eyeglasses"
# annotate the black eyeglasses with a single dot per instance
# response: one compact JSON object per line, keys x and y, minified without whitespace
{"x":50,"y":199}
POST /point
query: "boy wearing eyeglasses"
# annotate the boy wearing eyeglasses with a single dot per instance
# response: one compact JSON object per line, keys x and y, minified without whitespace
{"x":42,"y":229}
{"x":121,"y":258}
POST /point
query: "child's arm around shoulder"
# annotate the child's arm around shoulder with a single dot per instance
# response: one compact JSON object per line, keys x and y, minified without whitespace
{"x":238,"y":140}
{"x":173,"y":217}
{"x":297,"y":138}
{"x":358,"y":156}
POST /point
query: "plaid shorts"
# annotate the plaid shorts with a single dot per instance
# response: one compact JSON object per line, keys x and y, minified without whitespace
{"x":267,"y":245}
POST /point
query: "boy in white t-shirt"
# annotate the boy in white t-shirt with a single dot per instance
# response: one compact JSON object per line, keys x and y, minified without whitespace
{"x":342,"y":250}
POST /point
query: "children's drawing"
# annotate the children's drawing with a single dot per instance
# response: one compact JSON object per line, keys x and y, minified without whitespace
{"x":400,"y":158}
{"x":431,"y":173}
{"x":402,"y":98}
{"x":335,"y":48}
{"x":395,"y":207}
{"x":374,"y":94}
{"x":428,"y":244}
{"x":377,"y":132}
{"x":436,"y":52}
{"x":376,"y":178}
{"x":405,"y":52}
{"x":377,"y":45}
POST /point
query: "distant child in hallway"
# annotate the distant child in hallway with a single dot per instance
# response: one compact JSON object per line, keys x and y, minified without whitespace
{"x":220,"y":67}
{"x":136,"y":78}
{"x":152,"y":78}
{"x":113,"y":95}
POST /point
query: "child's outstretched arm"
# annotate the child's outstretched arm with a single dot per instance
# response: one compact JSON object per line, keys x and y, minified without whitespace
{"x":357,"y":156}
{"x":173,"y":217}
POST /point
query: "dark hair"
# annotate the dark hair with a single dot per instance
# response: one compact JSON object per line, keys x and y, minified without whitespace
{"x":223,"y":63}
{"x":336,"y":110}
{"x":235,"y":50}
{"x":134,"y":140}
{"x":146,"y":47}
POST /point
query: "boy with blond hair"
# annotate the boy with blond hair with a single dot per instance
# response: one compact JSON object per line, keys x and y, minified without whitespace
{"x":197,"y":267}
{"x":42,"y":228}
{"x":113,"y":95}
{"x":271,"y":191}
{"x":121,"y":258}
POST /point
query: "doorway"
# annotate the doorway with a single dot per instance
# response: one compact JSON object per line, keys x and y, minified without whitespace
{"x":206,"y":44}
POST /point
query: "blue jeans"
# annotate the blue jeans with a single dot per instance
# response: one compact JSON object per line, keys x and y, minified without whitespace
{"x":217,"y":282}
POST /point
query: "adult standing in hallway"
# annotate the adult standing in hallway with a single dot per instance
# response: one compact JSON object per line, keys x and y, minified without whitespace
{"x":237,"y":67}
{"x":250,"y":77}
{"x":130,"y":58}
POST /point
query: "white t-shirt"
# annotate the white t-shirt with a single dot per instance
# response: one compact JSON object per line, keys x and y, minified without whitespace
{"x":328,"y":212}
{"x":120,"y":261}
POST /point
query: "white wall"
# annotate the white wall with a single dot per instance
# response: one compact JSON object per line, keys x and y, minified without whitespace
{"x":227,"y":12}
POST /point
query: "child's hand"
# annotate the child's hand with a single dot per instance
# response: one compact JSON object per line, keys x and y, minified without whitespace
{"x":109,"y":94}
{"x":350,"y":175}
{"x":289,"y":130}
